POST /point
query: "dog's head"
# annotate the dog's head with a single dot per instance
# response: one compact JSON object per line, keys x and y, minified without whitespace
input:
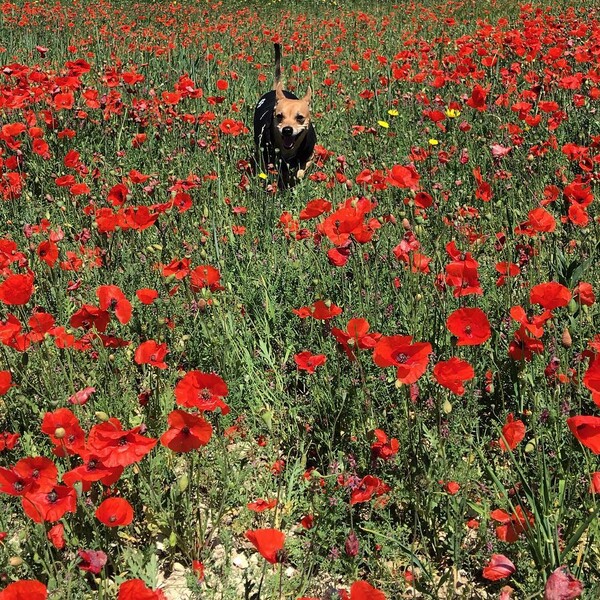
{"x":291,"y":119}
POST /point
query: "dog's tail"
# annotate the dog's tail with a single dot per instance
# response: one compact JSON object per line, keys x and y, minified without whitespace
{"x":277,"y":64}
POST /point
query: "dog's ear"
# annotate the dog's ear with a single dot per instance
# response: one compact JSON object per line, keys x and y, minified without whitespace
{"x":279,"y":91}
{"x":308,"y":96}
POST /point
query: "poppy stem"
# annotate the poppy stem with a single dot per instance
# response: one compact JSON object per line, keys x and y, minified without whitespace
{"x":280,"y":580}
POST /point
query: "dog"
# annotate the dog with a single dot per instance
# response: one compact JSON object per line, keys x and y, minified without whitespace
{"x":284,"y":136}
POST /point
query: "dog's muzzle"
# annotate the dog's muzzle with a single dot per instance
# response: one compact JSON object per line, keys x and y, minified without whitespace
{"x":288,"y":138}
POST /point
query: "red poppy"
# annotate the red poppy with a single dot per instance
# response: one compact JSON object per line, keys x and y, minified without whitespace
{"x":513,"y":433}
{"x":368,"y":487}
{"x":499,"y":567}
{"x":345,"y":222}
{"x":13,"y":484}
{"x":307,"y":361}
{"x":584,"y":294}
{"x":205,"y":276}
{"x":561,"y":585}
{"x":587,"y":430}
{"x":550,"y":295}
{"x":146,"y":295}
{"x":48,"y":252}
{"x":92,"y":470}
{"x":595,"y":483}
{"x":410,"y":359}
{"x":269,"y":543}
{"x":40,"y":324}
{"x":403,"y":177}
{"x":92,"y":560}
{"x":383,"y":447}
{"x":16,"y":290}
{"x":204,"y":391}
{"x":8,"y":440}
{"x":356,"y":336}
{"x":115,"y":512}
{"x":320,"y":310}
{"x":453,"y":373}
{"x":56,"y":536}
{"x":452,"y":487}
{"x":151,"y":353}
{"x":50,"y":505}
{"x":26,"y":589}
{"x":523,"y":347}
{"x":541,"y":220}
{"x":484,"y":189}
{"x":65,"y":432}
{"x":179,"y":268}
{"x":186,"y":432}
{"x":136,"y":589}
{"x":111,"y":297}
{"x":478,"y":98}
{"x":591,"y":379}
{"x":362,"y":590}
{"x":533,"y":324}
{"x":5,"y":382}
{"x":39,"y":470}
{"x":470,"y":326}
{"x":116,"y":447}
{"x":315,"y":208}
{"x":88,"y":317}
{"x":81,"y":397}
{"x":261,"y":505}
{"x":511,"y":525}
{"x":506,"y":269}
{"x":118,"y":194}
{"x":461,"y":273}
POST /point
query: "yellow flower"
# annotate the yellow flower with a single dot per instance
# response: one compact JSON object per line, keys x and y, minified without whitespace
{"x":393,"y":112}
{"x":452,"y":113}
{"x":262,"y":175}
{"x":433,"y":142}
{"x":383,"y":124}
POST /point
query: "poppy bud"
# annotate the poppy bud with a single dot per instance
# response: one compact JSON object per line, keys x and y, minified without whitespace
{"x":59,"y":433}
{"x":15,"y":561}
{"x":101,"y":416}
{"x":572,"y":306}
{"x":566,"y":340}
{"x":267,"y":416}
{"x":183,"y":483}
{"x":447,"y":407}
{"x":530,"y":446}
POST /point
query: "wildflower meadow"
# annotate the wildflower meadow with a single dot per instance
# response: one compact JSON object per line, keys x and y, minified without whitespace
{"x":380,"y":383}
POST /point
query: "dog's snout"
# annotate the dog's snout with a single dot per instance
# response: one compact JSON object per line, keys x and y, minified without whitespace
{"x":287,"y":131}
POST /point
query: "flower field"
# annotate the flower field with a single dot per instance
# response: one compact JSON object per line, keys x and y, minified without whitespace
{"x":382,"y":383}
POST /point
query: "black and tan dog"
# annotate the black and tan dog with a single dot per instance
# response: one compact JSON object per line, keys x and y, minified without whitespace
{"x":283,"y":133}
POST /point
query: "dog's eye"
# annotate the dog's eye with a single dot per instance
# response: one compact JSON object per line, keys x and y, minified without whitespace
{"x":279,"y":117}
{"x":300,"y":118}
